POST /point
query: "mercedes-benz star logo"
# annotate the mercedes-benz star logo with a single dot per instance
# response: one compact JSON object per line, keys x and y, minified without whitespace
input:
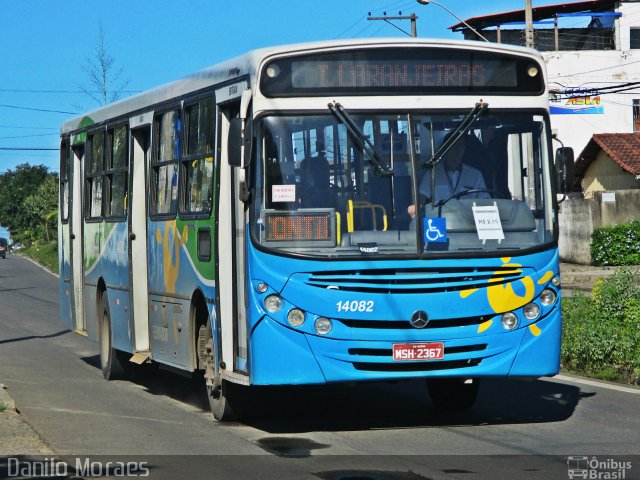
{"x":420,"y":319}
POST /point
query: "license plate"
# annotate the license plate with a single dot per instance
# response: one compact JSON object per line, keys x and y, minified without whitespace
{"x":418,"y":351}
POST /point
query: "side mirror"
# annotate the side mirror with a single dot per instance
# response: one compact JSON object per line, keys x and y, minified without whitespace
{"x":564,"y":165}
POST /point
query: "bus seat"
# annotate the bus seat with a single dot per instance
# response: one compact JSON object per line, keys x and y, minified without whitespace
{"x":315,"y":182}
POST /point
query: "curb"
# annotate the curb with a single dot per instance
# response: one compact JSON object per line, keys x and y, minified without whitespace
{"x":37,"y":264}
{"x":17,"y":436}
{"x":5,"y":398}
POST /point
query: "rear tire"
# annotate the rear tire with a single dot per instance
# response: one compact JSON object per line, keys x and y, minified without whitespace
{"x":453,"y":394}
{"x":112,"y":362}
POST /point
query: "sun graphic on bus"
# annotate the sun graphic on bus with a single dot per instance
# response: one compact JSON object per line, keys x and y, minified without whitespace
{"x":502,"y":295}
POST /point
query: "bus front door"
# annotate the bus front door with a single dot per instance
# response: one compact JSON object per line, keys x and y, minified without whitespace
{"x":230,"y":244}
{"x":138,"y":279}
{"x":76,"y":243}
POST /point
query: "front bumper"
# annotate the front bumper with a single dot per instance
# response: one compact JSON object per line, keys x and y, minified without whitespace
{"x":530,"y":351}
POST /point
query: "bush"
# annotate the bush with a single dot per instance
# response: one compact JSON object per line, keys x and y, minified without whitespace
{"x":601,"y":334}
{"x":617,"y":245}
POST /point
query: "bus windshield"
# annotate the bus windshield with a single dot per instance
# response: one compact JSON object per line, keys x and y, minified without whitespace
{"x":356,"y":184}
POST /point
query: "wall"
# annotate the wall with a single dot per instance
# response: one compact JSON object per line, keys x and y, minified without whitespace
{"x":579,"y":216}
{"x":606,"y":175}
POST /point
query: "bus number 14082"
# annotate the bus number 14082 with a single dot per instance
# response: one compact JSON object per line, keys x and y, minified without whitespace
{"x":355,"y":306}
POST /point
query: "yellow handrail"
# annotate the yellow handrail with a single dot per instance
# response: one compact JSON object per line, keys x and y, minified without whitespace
{"x":351,"y":206}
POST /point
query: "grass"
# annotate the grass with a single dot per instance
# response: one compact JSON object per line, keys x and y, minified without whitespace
{"x":45,"y":255}
{"x":3,"y":407}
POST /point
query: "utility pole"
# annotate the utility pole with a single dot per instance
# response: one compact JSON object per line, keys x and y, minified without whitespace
{"x":386,"y":18}
{"x":528,"y":20}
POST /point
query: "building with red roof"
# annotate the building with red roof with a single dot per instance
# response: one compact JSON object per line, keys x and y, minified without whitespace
{"x":609,"y":162}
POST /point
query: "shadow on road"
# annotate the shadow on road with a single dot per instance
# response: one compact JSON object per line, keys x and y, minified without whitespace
{"x":349,"y":407}
{"x":407,"y":405}
{"x":32,"y":337}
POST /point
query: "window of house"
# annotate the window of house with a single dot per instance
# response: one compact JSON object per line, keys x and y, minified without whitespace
{"x":165,"y":163}
{"x":636,"y":115}
{"x":94,"y":168}
{"x":116,"y":173}
{"x":634,"y":37}
{"x":198,"y":161}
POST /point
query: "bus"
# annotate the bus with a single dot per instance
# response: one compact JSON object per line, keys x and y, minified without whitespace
{"x":266,"y":221}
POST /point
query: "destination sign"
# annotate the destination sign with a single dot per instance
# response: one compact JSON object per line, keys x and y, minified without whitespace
{"x":409,"y":70}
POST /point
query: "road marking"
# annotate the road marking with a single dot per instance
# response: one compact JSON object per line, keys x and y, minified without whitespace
{"x":595,"y":383}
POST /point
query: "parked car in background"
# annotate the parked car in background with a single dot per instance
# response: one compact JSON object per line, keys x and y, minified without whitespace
{"x":4,"y":246}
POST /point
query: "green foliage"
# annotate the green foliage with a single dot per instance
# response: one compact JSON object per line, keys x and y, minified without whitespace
{"x":617,"y":245}
{"x":601,"y":334}
{"x":28,"y":195}
{"x":46,"y":255}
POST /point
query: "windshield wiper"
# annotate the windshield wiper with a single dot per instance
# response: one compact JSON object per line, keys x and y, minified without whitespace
{"x":361,"y":139}
{"x":458,"y":132}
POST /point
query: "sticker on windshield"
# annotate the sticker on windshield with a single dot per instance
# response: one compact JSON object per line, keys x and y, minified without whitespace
{"x":368,"y":248}
{"x":283,"y":193}
{"x":488,"y":224}
{"x":435,"y":230}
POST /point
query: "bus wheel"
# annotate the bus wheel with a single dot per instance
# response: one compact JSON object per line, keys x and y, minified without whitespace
{"x":111,"y":361}
{"x":453,"y":393}
{"x":218,"y":390}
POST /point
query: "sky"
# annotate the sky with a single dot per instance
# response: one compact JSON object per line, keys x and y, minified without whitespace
{"x":45,"y":45}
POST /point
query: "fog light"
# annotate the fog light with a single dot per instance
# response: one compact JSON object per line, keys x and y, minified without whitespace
{"x":547,"y":297}
{"x":323,"y":326}
{"x":556,"y":281}
{"x":262,"y":287}
{"x":531,"y":311}
{"x":509,"y":321}
{"x":295,"y":317}
{"x":273,"y":303}
{"x":533,"y":71}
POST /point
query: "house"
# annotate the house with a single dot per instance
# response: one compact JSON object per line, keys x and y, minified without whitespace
{"x":609,"y":162}
{"x":592,"y":52}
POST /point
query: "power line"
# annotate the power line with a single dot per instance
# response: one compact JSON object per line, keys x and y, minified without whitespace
{"x":28,"y":128}
{"x":29,"y":149}
{"x":30,"y":136}
{"x":38,"y":109}
{"x":19,"y":90}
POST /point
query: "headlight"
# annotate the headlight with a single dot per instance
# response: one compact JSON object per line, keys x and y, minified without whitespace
{"x":295,"y":317}
{"x":323,"y":326}
{"x":273,"y":303}
{"x":509,"y":321}
{"x":547,"y":297}
{"x":262,"y":287}
{"x":556,"y":281}
{"x":531,"y":311}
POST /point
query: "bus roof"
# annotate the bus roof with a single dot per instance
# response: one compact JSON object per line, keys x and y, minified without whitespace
{"x":247,"y":65}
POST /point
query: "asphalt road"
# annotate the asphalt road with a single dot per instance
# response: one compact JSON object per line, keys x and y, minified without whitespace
{"x":518,"y":429}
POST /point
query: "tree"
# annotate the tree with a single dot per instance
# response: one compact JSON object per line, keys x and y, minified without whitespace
{"x":42,"y":207}
{"x":25,"y":220}
{"x":105,"y":78}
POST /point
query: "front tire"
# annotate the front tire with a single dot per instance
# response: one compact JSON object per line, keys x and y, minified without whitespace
{"x":453,"y":394}
{"x":218,"y":390}
{"x":111,"y":361}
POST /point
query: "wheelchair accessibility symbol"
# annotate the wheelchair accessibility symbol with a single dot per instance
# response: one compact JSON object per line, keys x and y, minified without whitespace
{"x":435,"y":230}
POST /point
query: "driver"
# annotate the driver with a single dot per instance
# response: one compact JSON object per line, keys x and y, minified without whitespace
{"x":452,"y":176}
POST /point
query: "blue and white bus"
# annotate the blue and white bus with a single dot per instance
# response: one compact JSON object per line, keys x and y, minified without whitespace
{"x":252,"y":222}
